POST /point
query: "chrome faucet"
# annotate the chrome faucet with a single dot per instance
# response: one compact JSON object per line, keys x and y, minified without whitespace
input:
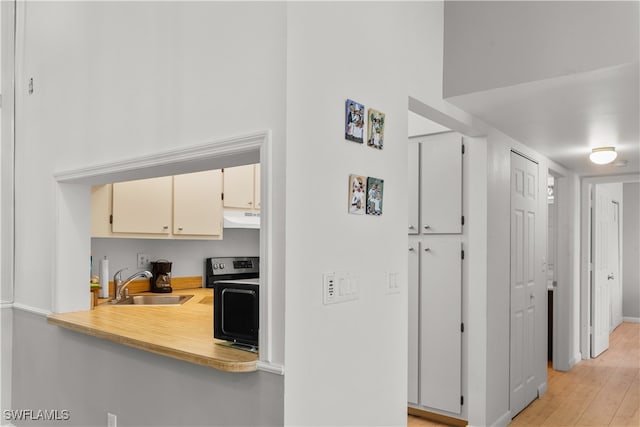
{"x":120,"y":285}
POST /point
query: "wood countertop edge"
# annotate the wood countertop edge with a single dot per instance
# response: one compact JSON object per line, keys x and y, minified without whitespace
{"x":185,"y":356}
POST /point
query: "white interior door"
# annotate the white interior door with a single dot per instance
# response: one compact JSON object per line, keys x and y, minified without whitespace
{"x":524,"y":276}
{"x":600,"y":293}
{"x":414,"y":322}
{"x":440,"y":322}
{"x":614,"y":266}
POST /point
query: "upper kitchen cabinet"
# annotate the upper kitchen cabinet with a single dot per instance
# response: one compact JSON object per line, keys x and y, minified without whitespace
{"x":143,"y":206}
{"x":194,"y":214}
{"x":413,"y":186}
{"x":441,"y":183}
{"x":185,"y":206}
{"x":242,"y":187}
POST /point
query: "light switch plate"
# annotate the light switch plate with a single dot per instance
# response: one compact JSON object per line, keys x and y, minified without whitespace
{"x":393,"y":282}
{"x":143,"y":261}
{"x":340,"y":286}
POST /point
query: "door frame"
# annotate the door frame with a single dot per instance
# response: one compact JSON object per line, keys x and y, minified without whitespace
{"x":585,"y":252}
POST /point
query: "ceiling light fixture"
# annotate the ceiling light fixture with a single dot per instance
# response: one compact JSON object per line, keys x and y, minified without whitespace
{"x":603,"y":155}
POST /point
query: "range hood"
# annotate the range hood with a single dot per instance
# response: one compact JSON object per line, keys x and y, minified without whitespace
{"x":241,"y":219}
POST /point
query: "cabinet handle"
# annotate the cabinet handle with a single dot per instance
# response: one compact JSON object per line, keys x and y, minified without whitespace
{"x":250,"y":203}
{"x":426,"y":227}
{"x":610,"y":277}
{"x":412,"y":250}
{"x":411,"y":227}
{"x":179,"y":228}
{"x":427,"y":249}
{"x":166,"y":227}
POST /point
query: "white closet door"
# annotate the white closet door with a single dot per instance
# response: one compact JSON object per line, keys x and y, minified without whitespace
{"x":600,"y":293}
{"x":414,"y":319}
{"x":440,"y":323}
{"x":414,"y":186}
{"x":524,"y":277}
{"x":441,"y":184}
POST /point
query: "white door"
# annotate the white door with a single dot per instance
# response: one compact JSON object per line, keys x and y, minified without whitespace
{"x":524,"y":276}
{"x":440,"y":323}
{"x":414,"y":321}
{"x":600,"y":293}
{"x":413,"y":186}
{"x":614,"y":266}
{"x":441,"y":184}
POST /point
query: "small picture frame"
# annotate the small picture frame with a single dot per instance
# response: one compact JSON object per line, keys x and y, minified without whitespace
{"x":375,"y":129}
{"x":354,"y":121}
{"x":375,"y":188}
{"x":357,"y":194}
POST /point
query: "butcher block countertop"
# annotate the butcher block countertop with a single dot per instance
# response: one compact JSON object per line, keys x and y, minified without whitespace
{"x":184,"y":332}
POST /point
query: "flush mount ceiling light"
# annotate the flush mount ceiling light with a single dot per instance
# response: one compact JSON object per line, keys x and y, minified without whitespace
{"x":603,"y":155}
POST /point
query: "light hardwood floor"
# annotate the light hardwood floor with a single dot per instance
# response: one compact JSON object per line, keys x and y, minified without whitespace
{"x":597,"y":392}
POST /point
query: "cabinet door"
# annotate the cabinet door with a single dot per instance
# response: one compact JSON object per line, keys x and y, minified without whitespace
{"x":414,"y":186}
{"x":256,"y":186}
{"x":101,"y":210}
{"x":197,"y":203}
{"x":441,"y":184}
{"x":440,"y":322}
{"x":238,"y":187}
{"x":142,"y":206}
{"x":414,"y":319}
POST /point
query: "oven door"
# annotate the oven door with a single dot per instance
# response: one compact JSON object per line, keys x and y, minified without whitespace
{"x":236,"y":312}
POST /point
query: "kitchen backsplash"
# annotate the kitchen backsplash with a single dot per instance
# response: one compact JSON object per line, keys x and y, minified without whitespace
{"x":187,"y":256}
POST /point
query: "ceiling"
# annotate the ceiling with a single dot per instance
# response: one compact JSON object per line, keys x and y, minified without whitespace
{"x":564,"y":117}
{"x":560,"y":77}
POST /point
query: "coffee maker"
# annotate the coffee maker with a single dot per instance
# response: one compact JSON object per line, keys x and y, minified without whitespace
{"x":161,"y":276}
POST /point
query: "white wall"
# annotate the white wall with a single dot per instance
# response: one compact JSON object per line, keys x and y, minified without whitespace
{"x":475,"y":37}
{"x":116,"y":80}
{"x":187,"y":256}
{"x":631,"y":252}
{"x":346,"y":364}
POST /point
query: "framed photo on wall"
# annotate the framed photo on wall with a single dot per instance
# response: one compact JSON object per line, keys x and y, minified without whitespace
{"x":354,"y":121}
{"x":375,"y":129}
{"x":357,"y":194}
{"x":375,"y":187}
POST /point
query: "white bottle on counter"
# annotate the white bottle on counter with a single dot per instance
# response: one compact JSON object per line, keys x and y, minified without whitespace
{"x":104,"y":277}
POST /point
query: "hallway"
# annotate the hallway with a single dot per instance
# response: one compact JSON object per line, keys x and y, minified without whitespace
{"x":596,"y":392}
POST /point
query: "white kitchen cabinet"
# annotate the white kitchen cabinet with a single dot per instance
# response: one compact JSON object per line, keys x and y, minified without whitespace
{"x":143,"y":206}
{"x":414,"y":320}
{"x":197,"y":203}
{"x":186,"y":206}
{"x":441,"y":183}
{"x":239,"y":187}
{"x":413,"y":186}
{"x":440,"y":323}
{"x":256,"y":185}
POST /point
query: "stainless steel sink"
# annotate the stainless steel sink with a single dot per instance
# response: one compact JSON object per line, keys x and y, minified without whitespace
{"x":154,"y":300}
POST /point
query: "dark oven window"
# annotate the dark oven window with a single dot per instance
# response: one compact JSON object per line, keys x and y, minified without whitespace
{"x":238,"y":314}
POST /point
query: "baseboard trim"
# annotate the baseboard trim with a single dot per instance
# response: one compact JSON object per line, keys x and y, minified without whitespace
{"x":631,"y":319}
{"x":542,"y":389}
{"x":30,"y":309}
{"x":574,"y":361}
{"x":504,"y":420}
{"x":431,"y":416}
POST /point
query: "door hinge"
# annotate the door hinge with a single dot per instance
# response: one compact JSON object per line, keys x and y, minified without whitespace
{"x":462,"y":327}
{"x":222,"y":195}
{"x":462,"y":254}
{"x":110,"y":219}
{"x":462,"y":219}
{"x":462,"y":148}
{"x":461,"y":400}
